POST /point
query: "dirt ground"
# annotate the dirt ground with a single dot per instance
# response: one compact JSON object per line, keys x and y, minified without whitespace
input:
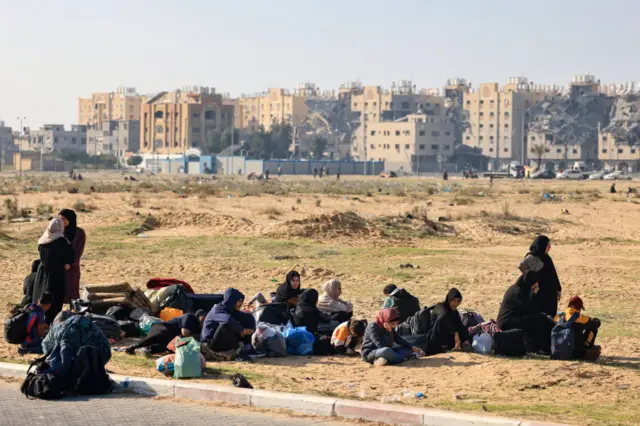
{"x":467,"y":234}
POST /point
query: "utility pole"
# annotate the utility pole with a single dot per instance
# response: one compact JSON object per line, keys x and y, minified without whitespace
{"x":20,"y":145}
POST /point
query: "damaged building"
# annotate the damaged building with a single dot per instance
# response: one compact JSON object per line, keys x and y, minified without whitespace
{"x":619,"y":142}
{"x":564,"y":127}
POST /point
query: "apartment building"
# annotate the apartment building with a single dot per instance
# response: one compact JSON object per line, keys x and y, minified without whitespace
{"x":54,"y":137}
{"x":114,"y":138}
{"x":123,"y":104}
{"x":276,"y":106}
{"x":173,"y":122}
{"x":558,"y":155}
{"x":416,"y":143}
{"x":617,"y":154}
{"x":6,"y":144}
{"x":498,"y":119}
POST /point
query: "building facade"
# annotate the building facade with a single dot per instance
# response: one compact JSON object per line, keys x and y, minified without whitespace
{"x":54,"y":137}
{"x":6,"y":144}
{"x":417,"y":143}
{"x":618,"y":155}
{"x":123,"y":104}
{"x":276,"y":106}
{"x":173,"y":122}
{"x":557,"y":155}
{"x":114,"y":138}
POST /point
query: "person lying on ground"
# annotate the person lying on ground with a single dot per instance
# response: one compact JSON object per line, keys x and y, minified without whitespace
{"x":518,"y":311}
{"x":37,"y":326}
{"x":226,"y":327}
{"x":331,"y":304}
{"x":585,"y":330}
{"x":538,"y":260}
{"x":450,"y":333}
{"x":160,"y":335}
{"x":307,"y":313}
{"x":347,"y":336}
{"x":380,"y":344}
{"x":29,"y":282}
{"x":289,"y":291}
{"x":399,"y":298}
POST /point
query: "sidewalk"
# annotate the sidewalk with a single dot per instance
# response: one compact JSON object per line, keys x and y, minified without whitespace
{"x":304,"y":404}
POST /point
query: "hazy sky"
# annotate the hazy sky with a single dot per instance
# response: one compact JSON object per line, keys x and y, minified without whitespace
{"x":54,"y":51}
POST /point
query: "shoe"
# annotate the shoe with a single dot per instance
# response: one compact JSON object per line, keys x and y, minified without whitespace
{"x":21,"y":350}
{"x":145,"y":352}
{"x":380,"y":362}
{"x":210,"y":355}
{"x":130,"y":350}
{"x":413,"y":356}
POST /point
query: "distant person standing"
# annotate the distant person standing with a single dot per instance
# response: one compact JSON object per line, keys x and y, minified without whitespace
{"x":279,"y":171}
{"x":445,"y":175}
{"x":266,"y":174}
{"x":321,"y":172}
{"x":326,"y":171}
{"x":77,"y":237}
{"x":315,"y":172}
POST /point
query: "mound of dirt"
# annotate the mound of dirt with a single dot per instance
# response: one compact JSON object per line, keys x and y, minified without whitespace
{"x":408,"y":226}
{"x":347,"y":224}
{"x":224,"y":223}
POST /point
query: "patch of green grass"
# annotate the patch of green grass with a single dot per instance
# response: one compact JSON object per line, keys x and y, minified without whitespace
{"x":15,"y":360}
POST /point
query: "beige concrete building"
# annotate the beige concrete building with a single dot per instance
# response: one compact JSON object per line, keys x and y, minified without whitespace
{"x":173,"y":122}
{"x":497,"y":119}
{"x":557,"y":155}
{"x":618,"y":155}
{"x":275,"y":106}
{"x":418,"y":142}
{"x":123,"y":104}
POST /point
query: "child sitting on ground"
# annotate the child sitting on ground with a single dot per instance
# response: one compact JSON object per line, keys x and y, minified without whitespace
{"x":36,"y":325}
{"x":346,"y":336}
{"x":380,"y":338}
{"x":585,"y":330}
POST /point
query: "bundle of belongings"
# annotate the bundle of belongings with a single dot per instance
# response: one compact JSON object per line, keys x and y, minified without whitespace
{"x":76,"y":352}
{"x":105,"y":296}
{"x":186,"y":361}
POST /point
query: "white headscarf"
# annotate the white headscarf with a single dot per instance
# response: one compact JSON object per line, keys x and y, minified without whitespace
{"x":329,"y":301}
{"x":54,"y":231}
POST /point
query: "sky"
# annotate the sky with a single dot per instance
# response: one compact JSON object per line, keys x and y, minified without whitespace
{"x":52,"y":51}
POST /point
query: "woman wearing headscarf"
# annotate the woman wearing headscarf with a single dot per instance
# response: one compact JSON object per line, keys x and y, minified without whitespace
{"x":225,"y":326}
{"x":331,"y":304}
{"x":379,"y":341}
{"x":56,"y":257}
{"x":447,"y":331}
{"x":289,"y":291}
{"x":538,"y":260}
{"x":307,"y":313}
{"x":77,"y":237}
{"x":518,"y":311}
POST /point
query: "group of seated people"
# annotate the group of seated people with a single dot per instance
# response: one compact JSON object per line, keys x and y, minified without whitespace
{"x":402,"y":330}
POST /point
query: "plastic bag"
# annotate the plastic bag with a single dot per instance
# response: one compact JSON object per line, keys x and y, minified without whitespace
{"x":482,"y":344}
{"x":299,"y":341}
{"x":269,"y":341}
{"x":146,"y":322}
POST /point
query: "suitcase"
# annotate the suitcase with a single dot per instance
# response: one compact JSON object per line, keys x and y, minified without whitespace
{"x":510,"y":343}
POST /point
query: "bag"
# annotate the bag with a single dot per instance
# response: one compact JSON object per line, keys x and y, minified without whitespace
{"x":299,"y":341}
{"x":146,"y":322}
{"x":81,"y":306}
{"x":562,"y":338}
{"x":510,"y":343}
{"x":107,"y":325}
{"x":327,"y":328}
{"x":137,"y":313}
{"x":322,"y":346}
{"x":406,"y":304}
{"x":129,"y":328}
{"x":187,"y":363}
{"x":168,"y":314}
{"x":120,"y":313}
{"x":471,"y":319}
{"x":42,"y":386}
{"x":269,"y":341}
{"x":176,"y":297}
{"x":482,"y":344}
{"x":15,"y":327}
{"x":88,"y":376}
{"x":273,"y":313}
{"x":418,"y":323}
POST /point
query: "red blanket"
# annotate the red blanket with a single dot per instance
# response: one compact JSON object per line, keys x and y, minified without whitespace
{"x":157,"y":283}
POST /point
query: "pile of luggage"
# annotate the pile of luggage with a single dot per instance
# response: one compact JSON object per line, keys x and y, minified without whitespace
{"x":105,"y":296}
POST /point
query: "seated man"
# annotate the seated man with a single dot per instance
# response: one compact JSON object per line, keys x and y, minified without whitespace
{"x":405,"y":303}
{"x":226,"y":328}
{"x":160,"y":335}
{"x":37,"y":326}
{"x":585,"y":330}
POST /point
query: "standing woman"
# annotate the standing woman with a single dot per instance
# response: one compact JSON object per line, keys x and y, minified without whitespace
{"x":56,"y":257}
{"x":77,"y":238}
{"x":538,"y":260}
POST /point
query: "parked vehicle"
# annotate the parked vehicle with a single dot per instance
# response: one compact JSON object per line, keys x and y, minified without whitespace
{"x":544,"y":174}
{"x":570,"y":174}
{"x":598,"y":175}
{"x":388,"y":174}
{"x":617,"y":175}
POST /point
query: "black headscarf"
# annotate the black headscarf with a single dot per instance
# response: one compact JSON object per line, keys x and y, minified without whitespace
{"x":539,"y":246}
{"x":547,"y":298}
{"x":285,"y":291}
{"x":517,"y":303}
{"x":527,"y":280}
{"x":454,"y":293}
{"x":35,"y":265}
{"x":70,"y":230}
{"x":307,"y":313}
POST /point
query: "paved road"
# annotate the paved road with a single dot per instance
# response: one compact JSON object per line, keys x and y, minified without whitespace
{"x":121,"y":410}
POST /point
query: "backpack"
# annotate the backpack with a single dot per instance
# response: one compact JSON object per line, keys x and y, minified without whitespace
{"x":187,"y":363}
{"x":107,"y":324}
{"x":406,"y":304}
{"x":88,"y":376}
{"x":15,"y":327}
{"x":273,"y":313}
{"x":42,"y":386}
{"x":562,"y":338}
{"x":509,"y":343}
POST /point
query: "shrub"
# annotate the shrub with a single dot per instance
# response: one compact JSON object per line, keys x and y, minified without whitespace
{"x":11,"y":208}
{"x":318,"y":202}
{"x":80,"y":206}
{"x":44,"y":209}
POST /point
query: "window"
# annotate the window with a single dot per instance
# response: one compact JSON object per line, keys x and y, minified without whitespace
{"x":421,"y":146}
{"x":490,"y":149}
{"x":159,"y":129}
{"x":435,"y":133}
{"x":83,"y":141}
{"x":506,"y":114}
{"x":506,"y":150}
{"x":406,"y":146}
{"x":468,"y":102}
{"x":373,"y":146}
{"x":407,"y":132}
{"x":491,"y":101}
{"x":373,"y":133}
{"x":575,"y":151}
{"x":195,"y":144}
{"x":481,"y":102}
{"x":604,"y":138}
{"x":196,"y":115}
{"x":491,"y":137}
{"x":397,"y":132}
{"x":506,"y":138}
{"x":604,"y":150}
{"x":619,"y":151}
{"x":446,"y":147}
{"x":73,"y":141}
{"x":355,"y":105}
{"x":375,"y":104}
{"x":435,"y":147}
{"x":533,"y":138}
{"x":210,"y":115}
{"x":481,"y":137}
{"x":482,"y":114}
{"x":558,"y":150}
{"x":546,"y":150}
{"x":391,"y":105}
{"x":468,"y":138}
{"x":406,"y":105}
{"x":491,"y":114}
{"x":481,"y":126}
{"x":422,"y":133}
{"x":196,"y":130}
{"x":491,"y":126}
{"x":633,"y":150}
{"x":397,"y":147}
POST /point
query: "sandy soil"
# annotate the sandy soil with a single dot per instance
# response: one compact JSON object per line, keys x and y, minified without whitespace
{"x":250,"y":242}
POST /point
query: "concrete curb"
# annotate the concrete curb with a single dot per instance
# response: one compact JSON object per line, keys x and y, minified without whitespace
{"x":305,"y":404}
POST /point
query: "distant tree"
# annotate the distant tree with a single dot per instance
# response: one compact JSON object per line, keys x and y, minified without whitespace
{"x":134,"y":160}
{"x":318,"y":147}
{"x":539,"y":151}
{"x":212,"y":142}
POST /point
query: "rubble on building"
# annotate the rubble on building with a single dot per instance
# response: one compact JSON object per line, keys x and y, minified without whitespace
{"x":625,"y":119}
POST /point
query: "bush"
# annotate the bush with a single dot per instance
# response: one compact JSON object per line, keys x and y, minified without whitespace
{"x":11,"y":208}
{"x":272,"y":212}
{"x":80,"y":206}
{"x":318,"y":202}
{"x":134,"y":161}
{"x":44,"y":209}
